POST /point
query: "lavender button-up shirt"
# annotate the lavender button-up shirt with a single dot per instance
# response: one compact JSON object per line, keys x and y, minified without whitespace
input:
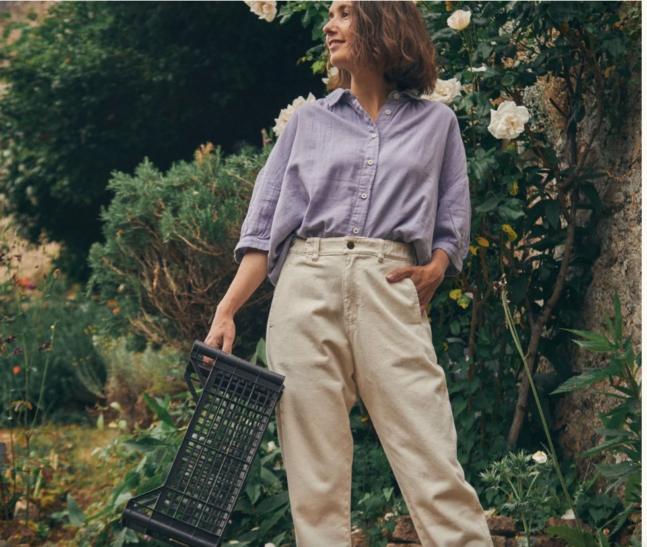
{"x":334,"y":172}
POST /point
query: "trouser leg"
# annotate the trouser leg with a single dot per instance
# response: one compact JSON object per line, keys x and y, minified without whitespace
{"x":307,"y":344}
{"x":405,"y":392}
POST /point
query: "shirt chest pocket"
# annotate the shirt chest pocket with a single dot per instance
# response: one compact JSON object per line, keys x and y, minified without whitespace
{"x":328,"y":157}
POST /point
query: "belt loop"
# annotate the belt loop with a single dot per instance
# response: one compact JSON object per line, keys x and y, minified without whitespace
{"x":380,"y":254}
{"x":315,"y":251}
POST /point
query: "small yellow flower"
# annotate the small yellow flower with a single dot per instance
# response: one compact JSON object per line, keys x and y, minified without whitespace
{"x":363,"y":419}
{"x":482,"y":242}
{"x":511,"y":146}
{"x":463,"y":302}
{"x":473,"y":249}
{"x":514,"y":189}
{"x":445,"y":346}
{"x":512,"y":235}
{"x":455,"y":294}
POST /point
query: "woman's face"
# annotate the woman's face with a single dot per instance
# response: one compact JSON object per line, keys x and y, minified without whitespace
{"x":339,"y":34}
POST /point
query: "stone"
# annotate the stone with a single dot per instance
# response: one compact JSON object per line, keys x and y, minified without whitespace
{"x":358,"y":539}
{"x":501,"y":526}
{"x":405,"y":532}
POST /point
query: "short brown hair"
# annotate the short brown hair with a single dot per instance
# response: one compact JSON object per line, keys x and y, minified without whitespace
{"x":394,"y":33}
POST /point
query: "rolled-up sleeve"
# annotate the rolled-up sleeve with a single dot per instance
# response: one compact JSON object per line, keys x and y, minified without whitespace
{"x":454,"y":212}
{"x":256,"y":228}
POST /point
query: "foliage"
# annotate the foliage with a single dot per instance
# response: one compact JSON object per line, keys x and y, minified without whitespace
{"x":129,"y":375}
{"x":523,"y":484}
{"x":622,"y":431}
{"x":97,"y":86}
{"x":168,"y":255}
{"x":40,"y":332}
{"x":34,"y":369}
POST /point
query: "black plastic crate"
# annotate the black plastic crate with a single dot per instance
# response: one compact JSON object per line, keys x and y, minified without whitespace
{"x":193,"y":506}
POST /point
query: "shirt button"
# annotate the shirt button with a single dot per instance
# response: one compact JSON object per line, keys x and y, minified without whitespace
{"x":364,"y":196}
{"x":355,"y":230}
{"x":388,"y":112}
{"x":396,"y":96}
{"x":370,"y":162}
{"x":374,"y":135}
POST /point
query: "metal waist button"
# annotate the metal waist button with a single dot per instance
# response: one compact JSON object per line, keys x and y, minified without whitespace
{"x":350,"y":245}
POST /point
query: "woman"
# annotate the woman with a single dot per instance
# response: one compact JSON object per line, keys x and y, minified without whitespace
{"x":360,"y":211}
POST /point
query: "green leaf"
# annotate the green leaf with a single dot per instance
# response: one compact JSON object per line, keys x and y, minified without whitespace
{"x":594,"y":342}
{"x":253,"y":481}
{"x":123,"y":498}
{"x":572,"y":536}
{"x":120,"y":538}
{"x":615,"y":471}
{"x":459,"y":404}
{"x":551,"y":209}
{"x":261,"y":351}
{"x":387,"y":493}
{"x":613,"y":432}
{"x":600,"y":448}
{"x":271,"y":521}
{"x":143,"y":444}
{"x":633,"y":487}
{"x":267,"y":477}
{"x":271,"y":504}
{"x":589,"y":376}
{"x":77,"y":517}
{"x":159,"y":410}
{"x":488,"y":205}
{"x":591,"y":192}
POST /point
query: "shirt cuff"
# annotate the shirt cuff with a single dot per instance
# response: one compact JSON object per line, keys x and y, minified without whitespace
{"x":455,"y":261}
{"x":247,"y":242}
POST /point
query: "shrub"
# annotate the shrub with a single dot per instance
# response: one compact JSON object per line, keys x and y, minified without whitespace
{"x":168,"y":256}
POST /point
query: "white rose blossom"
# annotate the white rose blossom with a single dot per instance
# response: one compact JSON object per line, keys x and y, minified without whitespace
{"x":540,"y":457}
{"x":264,"y":10}
{"x":332,"y":72}
{"x":459,"y":19}
{"x":507,"y":121}
{"x":285,"y":114}
{"x":445,"y":91}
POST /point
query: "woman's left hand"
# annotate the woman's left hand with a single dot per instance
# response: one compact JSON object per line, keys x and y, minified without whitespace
{"x":426,"y":278}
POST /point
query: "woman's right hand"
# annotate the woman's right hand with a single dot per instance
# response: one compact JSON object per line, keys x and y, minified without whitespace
{"x":249,"y":276}
{"x":222,"y":333}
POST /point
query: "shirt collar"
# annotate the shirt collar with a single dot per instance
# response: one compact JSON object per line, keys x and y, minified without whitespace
{"x":336,"y":94}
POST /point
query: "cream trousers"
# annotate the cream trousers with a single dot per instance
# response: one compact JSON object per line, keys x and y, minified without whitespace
{"x":336,"y":327}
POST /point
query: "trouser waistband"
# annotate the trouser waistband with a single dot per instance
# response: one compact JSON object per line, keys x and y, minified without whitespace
{"x":316,"y":246}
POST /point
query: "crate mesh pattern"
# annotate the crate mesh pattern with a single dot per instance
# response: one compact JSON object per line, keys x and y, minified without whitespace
{"x":194,"y":505}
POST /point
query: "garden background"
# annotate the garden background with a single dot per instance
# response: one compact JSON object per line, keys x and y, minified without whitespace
{"x":131,"y":134}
